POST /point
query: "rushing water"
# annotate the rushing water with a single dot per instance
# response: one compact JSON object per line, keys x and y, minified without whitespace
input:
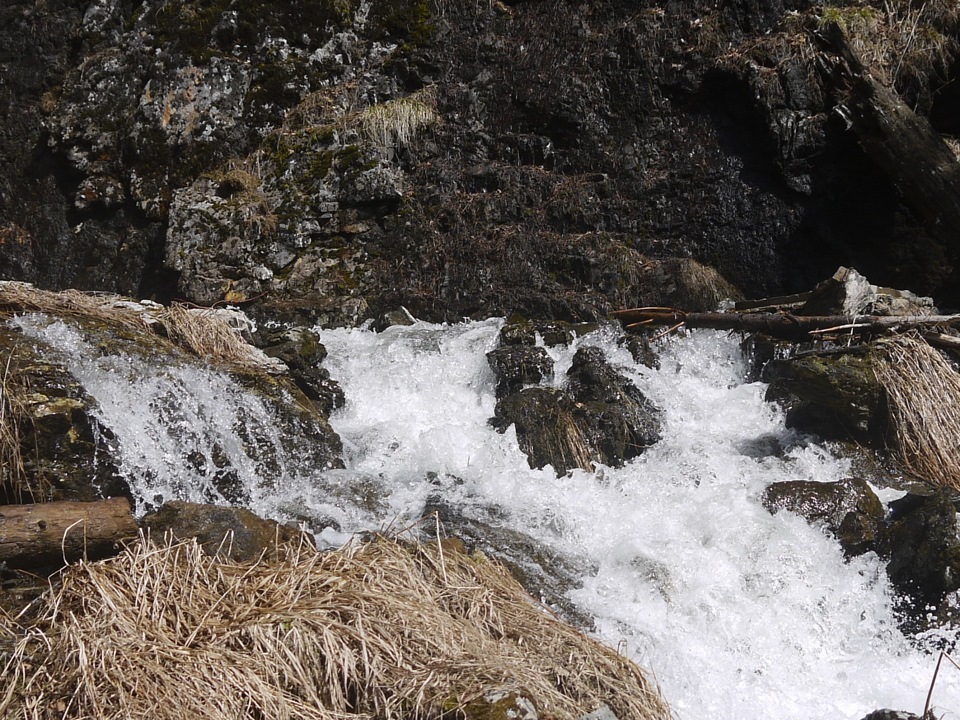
{"x":738,"y":613}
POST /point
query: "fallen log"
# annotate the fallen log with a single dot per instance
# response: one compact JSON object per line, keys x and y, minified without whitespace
{"x":52,"y":534}
{"x":782,"y":325}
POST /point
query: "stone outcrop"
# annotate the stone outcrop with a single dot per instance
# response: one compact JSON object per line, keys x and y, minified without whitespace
{"x":597,"y":416}
{"x":332,"y":161}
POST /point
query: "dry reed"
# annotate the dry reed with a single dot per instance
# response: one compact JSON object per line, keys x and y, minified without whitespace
{"x":14,"y":483}
{"x":204,"y":332}
{"x":923,"y":398}
{"x":379,"y":630}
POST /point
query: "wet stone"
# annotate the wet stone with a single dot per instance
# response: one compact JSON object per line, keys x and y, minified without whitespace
{"x":519,"y":365}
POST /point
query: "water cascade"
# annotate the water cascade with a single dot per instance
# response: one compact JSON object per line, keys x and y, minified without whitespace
{"x":738,"y":613}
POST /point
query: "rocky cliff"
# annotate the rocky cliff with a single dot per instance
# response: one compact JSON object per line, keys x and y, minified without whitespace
{"x":332,"y":160}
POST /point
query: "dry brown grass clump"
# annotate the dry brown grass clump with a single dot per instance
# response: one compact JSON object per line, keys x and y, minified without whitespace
{"x":23,"y":297}
{"x":205,"y":332}
{"x":14,"y":484}
{"x":923,"y":398}
{"x":376,"y":630}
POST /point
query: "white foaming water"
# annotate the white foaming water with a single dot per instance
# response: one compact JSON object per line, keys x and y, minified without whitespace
{"x":739,"y":613}
{"x":185,"y":432}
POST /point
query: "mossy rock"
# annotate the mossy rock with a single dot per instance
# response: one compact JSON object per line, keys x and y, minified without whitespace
{"x":55,"y":448}
{"x":847,"y":508}
{"x":834,"y":395}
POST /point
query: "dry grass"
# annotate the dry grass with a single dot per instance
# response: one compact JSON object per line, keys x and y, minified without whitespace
{"x":380,"y":630}
{"x":395,"y":123}
{"x":204,"y":332}
{"x":15,"y":484}
{"x":923,"y":397}
{"x":23,"y":297}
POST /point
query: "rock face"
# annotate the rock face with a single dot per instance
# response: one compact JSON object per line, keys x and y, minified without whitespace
{"x":332,"y":161}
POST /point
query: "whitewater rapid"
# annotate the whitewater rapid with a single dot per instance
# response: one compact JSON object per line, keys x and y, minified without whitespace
{"x":738,"y":613}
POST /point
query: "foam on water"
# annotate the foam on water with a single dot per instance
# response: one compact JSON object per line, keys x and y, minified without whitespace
{"x":177,"y":426}
{"x":740,"y":613}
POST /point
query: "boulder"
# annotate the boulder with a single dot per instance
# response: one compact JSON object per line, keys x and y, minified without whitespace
{"x":849,"y":293}
{"x":599,"y":417}
{"x":922,"y":546}
{"x":835,"y":395}
{"x":621,"y":422}
{"x":892,"y":715}
{"x":847,"y":508}
{"x":229,"y":531}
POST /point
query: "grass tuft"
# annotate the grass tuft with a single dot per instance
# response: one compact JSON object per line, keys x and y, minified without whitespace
{"x":395,"y":123}
{"x":379,"y":631}
{"x":923,"y":398}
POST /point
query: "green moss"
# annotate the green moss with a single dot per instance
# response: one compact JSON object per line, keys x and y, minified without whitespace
{"x":407,"y":21}
{"x":850,"y":19}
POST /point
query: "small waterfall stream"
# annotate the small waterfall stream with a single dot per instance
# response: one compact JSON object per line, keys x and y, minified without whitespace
{"x":738,"y":613}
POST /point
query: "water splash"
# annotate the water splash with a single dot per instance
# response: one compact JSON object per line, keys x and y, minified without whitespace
{"x":739,"y":613}
{"x":184,"y":431}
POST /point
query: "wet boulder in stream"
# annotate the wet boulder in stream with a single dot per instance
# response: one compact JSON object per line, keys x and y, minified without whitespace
{"x":834,"y":394}
{"x":848,"y":508}
{"x":599,"y":417}
{"x":922,"y":545}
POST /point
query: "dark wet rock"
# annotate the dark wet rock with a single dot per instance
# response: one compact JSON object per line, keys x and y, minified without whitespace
{"x":546,"y":422}
{"x":834,"y":395}
{"x":234,"y":532}
{"x":550,"y":332}
{"x":622,"y":422}
{"x":921,"y":542}
{"x":892,"y":715}
{"x":64,"y":452}
{"x":599,"y":417}
{"x":546,"y":574}
{"x":847,"y":508}
{"x":642,"y":352}
{"x":302,"y":352}
{"x":519,"y":365}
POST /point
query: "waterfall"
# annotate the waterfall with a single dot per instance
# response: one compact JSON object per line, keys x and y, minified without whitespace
{"x":738,"y":613}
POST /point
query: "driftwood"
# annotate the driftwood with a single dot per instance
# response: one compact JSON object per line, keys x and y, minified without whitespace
{"x":48,"y":534}
{"x":783,"y":324}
